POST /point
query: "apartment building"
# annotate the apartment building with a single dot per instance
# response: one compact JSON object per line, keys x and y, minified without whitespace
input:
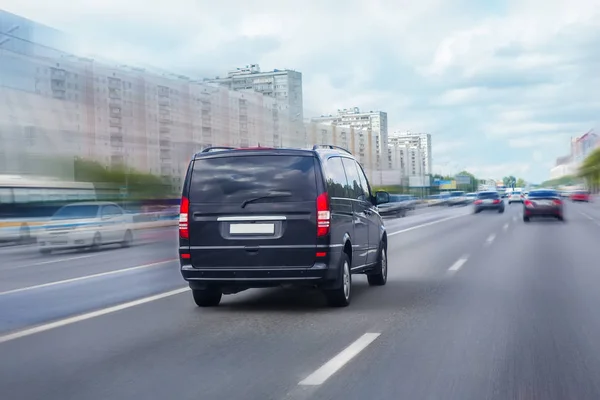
{"x":419,"y":140}
{"x":375,"y":121}
{"x":56,"y":105}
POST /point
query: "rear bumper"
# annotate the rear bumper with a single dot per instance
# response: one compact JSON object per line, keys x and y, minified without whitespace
{"x":542,"y":212}
{"x":489,"y":207}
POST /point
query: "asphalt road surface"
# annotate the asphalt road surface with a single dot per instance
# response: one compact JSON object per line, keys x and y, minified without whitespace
{"x":476,"y":307}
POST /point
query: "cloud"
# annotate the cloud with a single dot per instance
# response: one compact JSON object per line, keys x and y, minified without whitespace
{"x":502,"y":79}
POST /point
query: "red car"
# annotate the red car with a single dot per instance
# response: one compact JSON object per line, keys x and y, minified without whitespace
{"x":580,"y":195}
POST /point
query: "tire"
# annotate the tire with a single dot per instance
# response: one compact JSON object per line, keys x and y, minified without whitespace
{"x":561,"y":218}
{"x":501,"y":210}
{"x":379,"y":276}
{"x":127,"y":239}
{"x":526,"y":219}
{"x":96,"y":242}
{"x":509,"y":203}
{"x":209,"y":297}
{"x":341,"y":296}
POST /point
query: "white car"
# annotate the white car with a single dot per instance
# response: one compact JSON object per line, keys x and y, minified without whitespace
{"x":515,"y":197}
{"x":86,"y":225}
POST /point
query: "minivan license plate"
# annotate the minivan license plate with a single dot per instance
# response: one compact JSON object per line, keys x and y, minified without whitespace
{"x":251,"y":229}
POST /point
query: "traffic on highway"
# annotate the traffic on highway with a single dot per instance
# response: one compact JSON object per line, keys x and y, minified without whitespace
{"x":465,"y":297}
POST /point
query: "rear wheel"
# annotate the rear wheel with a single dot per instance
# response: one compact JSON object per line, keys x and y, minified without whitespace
{"x":340,"y":296}
{"x":96,"y":242}
{"x":561,"y":218}
{"x":127,"y":239}
{"x":379,"y":276}
{"x":525,"y":219}
{"x":501,"y":210}
{"x":209,"y":297}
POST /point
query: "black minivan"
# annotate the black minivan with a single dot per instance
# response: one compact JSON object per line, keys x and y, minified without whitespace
{"x":263,"y":217}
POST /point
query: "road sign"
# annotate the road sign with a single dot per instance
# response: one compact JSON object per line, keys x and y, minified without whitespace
{"x":463,"y":179}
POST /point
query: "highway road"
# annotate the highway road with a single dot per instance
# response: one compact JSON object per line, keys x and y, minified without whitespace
{"x":476,"y":307}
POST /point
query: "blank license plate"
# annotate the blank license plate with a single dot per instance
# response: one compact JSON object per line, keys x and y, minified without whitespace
{"x":544,"y":203}
{"x":251,"y":229}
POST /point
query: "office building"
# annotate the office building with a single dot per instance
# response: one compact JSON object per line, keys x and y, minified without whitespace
{"x":420,"y":140}
{"x":375,"y":121}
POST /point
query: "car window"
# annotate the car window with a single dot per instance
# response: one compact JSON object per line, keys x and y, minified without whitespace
{"x":355,"y":189}
{"x":364,"y":181}
{"x":237,"y":178}
{"x":76,"y":212}
{"x":336,"y":178}
{"x":111,"y":210}
{"x":488,"y":195}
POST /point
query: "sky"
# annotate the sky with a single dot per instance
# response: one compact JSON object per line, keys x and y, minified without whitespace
{"x":502,"y":86}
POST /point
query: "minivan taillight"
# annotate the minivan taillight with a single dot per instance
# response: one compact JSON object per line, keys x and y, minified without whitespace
{"x":184,"y":211}
{"x":323,"y":215}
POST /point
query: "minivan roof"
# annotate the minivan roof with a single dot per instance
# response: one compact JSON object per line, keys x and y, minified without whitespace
{"x":223,"y":151}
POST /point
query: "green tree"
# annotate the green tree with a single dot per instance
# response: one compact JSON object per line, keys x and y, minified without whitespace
{"x":590,"y":170}
{"x":521,"y":183}
{"x":509,"y":181}
{"x":110,"y":181}
{"x":472,"y":186}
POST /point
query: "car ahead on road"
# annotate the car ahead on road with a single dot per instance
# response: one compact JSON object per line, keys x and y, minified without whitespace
{"x":261,"y":217}
{"x":580,"y":195}
{"x":543,"y":203}
{"x":86,"y":225}
{"x":396,"y":207}
{"x":471,"y":197}
{"x":457,"y":198}
{"x":515,"y":197}
{"x":488,"y":201}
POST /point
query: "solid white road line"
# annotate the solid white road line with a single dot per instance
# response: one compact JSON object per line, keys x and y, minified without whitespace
{"x":505,"y":227}
{"x":80,"y":278}
{"x":490,"y":239}
{"x":336,"y":363}
{"x":458,"y":264}
{"x":56,"y":261}
{"x":83,"y":317}
{"x":412,"y":228}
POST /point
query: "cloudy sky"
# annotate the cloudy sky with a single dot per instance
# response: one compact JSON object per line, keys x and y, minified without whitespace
{"x":501,"y":85}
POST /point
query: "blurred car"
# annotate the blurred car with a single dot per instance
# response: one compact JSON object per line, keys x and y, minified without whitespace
{"x":457,"y":198}
{"x":515,"y":197}
{"x":471,"y":197}
{"x":580,"y":195}
{"x":397,"y":207}
{"x":86,"y":225}
{"x":434,"y":200}
{"x":543,"y":203}
{"x":488,"y":201}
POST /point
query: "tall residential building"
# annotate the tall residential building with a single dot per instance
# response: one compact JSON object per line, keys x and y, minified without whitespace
{"x":55,"y":105}
{"x":375,"y":121}
{"x":420,"y":140}
{"x":285,"y":86}
{"x":406,"y":159}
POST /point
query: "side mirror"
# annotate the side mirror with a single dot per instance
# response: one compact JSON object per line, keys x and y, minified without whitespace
{"x":382,"y":197}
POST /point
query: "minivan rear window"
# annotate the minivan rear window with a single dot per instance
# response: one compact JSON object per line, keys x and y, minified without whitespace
{"x":238,"y":178}
{"x":488,"y":195}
